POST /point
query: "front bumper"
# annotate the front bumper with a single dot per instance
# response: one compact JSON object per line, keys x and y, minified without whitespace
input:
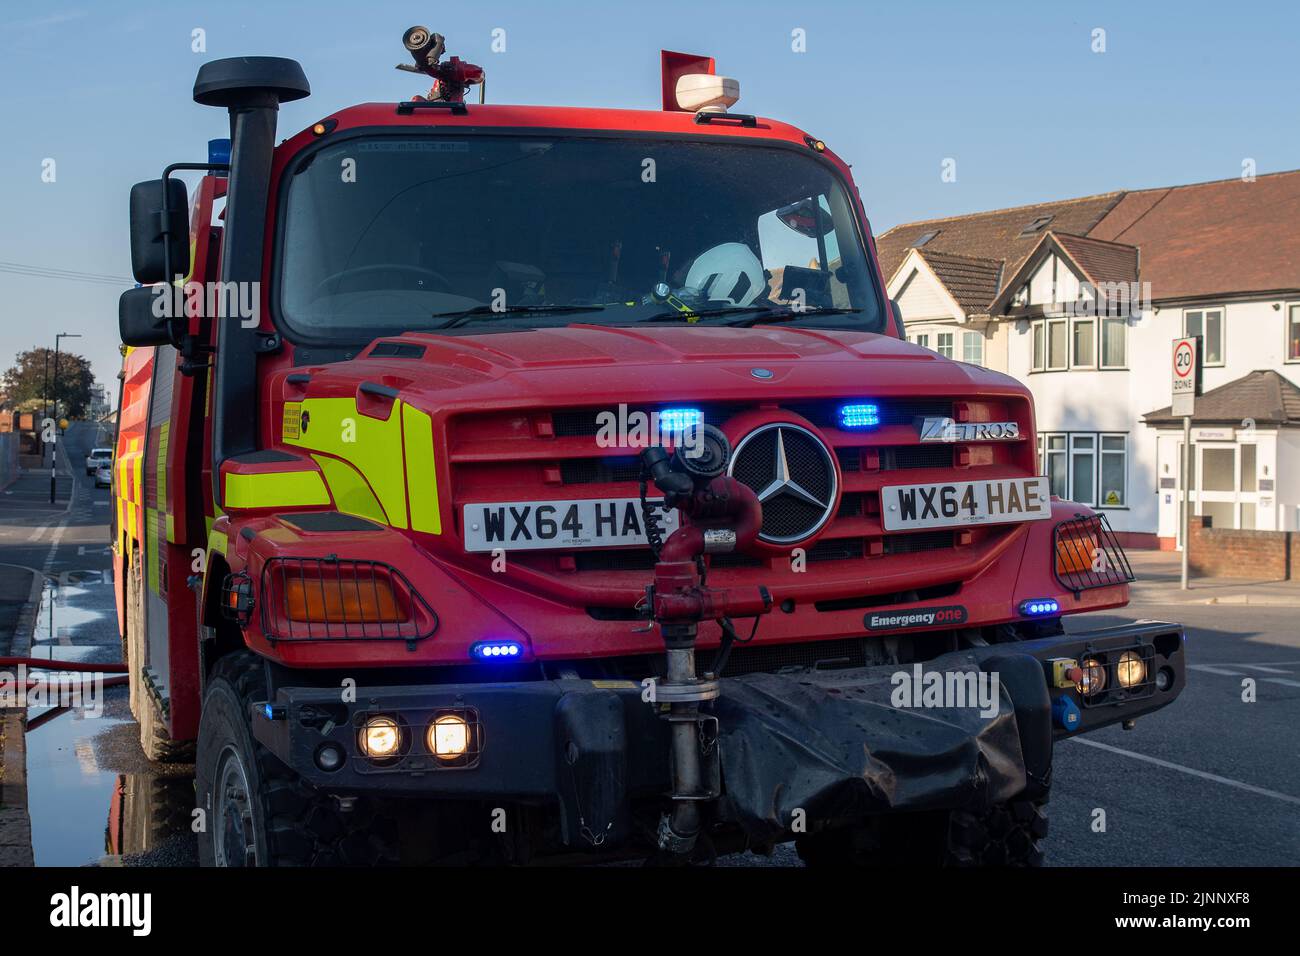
{"x":834,"y":744}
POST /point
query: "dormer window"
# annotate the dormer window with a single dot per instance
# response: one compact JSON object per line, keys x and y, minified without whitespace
{"x":1036,"y":225}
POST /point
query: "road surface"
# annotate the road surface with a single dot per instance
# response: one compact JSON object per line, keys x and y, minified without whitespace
{"x":1211,"y":780}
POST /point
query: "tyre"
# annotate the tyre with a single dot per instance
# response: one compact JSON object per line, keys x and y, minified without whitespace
{"x":258,"y":813}
{"x":1009,"y":834}
{"x":155,"y":738}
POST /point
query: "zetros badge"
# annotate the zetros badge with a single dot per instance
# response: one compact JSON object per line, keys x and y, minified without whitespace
{"x":945,"y":429}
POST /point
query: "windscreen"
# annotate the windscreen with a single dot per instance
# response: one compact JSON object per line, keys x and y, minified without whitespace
{"x":496,"y":232}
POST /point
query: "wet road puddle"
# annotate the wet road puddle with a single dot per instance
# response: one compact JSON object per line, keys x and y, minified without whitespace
{"x":86,"y":807}
{"x":93,"y":798}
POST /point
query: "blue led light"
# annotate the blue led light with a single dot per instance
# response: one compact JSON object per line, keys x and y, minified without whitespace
{"x":859,"y":415}
{"x":674,"y":420}
{"x":268,"y":713}
{"x":218,"y":150}
{"x":1037,"y":607}
{"x":495,"y":650}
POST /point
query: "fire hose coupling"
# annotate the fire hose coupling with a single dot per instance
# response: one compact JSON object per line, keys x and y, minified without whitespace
{"x":719,"y":540}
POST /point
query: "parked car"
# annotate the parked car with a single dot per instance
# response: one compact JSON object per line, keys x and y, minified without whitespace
{"x":97,"y":457}
{"x":104,"y":475}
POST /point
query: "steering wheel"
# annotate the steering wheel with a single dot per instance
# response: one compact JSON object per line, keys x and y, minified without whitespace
{"x":384,"y":268}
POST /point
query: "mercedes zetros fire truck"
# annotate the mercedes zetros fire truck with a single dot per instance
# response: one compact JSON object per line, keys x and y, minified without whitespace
{"x":402,"y":570}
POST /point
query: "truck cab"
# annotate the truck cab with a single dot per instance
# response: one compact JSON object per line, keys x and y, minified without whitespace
{"x":572,"y":464}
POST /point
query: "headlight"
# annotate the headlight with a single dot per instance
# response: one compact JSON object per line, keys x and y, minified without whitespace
{"x":448,"y":737}
{"x":1094,"y":677}
{"x":1130,"y":671}
{"x":380,"y":737}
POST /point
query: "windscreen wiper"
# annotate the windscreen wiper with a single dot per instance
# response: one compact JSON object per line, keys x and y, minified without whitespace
{"x":787,"y":315}
{"x":455,"y":319}
{"x":678,"y":315}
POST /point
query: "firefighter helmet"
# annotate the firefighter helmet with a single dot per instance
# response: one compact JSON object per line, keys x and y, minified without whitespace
{"x":729,"y":272}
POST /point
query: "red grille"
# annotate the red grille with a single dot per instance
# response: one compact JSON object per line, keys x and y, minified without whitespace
{"x":541,"y":454}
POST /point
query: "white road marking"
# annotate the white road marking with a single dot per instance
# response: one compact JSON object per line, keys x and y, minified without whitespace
{"x":1190,"y":771}
{"x":1221,"y":671}
{"x":37,"y":533}
{"x":1261,"y":667}
{"x":1281,"y":680}
{"x":57,"y":537}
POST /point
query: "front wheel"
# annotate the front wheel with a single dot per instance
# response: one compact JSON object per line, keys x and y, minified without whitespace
{"x":256,"y":811}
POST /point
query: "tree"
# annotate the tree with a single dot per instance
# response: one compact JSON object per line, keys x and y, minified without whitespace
{"x":33,"y":378}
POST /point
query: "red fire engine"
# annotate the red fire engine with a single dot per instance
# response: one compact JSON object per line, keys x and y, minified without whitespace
{"x":501,"y":482}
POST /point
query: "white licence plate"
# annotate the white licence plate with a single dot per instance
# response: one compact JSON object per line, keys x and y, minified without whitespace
{"x":533,"y":525}
{"x":957,"y":503}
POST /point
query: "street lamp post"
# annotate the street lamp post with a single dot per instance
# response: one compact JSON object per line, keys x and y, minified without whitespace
{"x":54,"y":441}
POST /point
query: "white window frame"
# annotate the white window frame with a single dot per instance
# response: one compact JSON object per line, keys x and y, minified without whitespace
{"x":1075,"y":451}
{"x":1124,"y":455}
{"x":938,"y":343}
{"x":1101,"y":341}
{"x":1287,"y":309}
{"x":1095,"y":343}
{"x":1223,"y":333}
{"x":967,"y":337}
{"x":1047,"y":345}
{"x":1043,"y":327}
{"x":1037,"y":334}
{"x":1097,"y":453}
{"x":1063,"y":451}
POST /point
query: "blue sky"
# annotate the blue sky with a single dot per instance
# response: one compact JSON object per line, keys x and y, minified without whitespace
{"x":1012,"y":91}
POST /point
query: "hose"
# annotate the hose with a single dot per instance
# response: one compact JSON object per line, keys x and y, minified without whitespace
{"x":654,"y":531}
{"x":47,"y":664}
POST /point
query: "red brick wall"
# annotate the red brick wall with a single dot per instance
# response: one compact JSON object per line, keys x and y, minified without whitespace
{"x":1222,"y":552}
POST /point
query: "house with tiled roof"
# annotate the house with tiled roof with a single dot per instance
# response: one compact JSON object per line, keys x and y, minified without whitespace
{"x":1082,"y":299}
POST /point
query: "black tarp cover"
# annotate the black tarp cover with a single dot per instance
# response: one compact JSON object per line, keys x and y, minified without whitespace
{"x":831,"y":743}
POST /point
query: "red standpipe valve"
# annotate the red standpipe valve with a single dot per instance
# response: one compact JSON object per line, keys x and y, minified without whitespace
{"x":724,"y":515}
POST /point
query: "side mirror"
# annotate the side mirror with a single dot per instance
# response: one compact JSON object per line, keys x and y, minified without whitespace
{"x":136,"y":321}
{"x":160,"y":241}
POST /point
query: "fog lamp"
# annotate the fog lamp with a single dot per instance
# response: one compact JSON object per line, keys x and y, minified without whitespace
{"x":449,"y":737}
{"x":329,"y":757}
{"x":1130,"y":671}
{"x":380,"y":737}
{"x":1093,"y":680}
